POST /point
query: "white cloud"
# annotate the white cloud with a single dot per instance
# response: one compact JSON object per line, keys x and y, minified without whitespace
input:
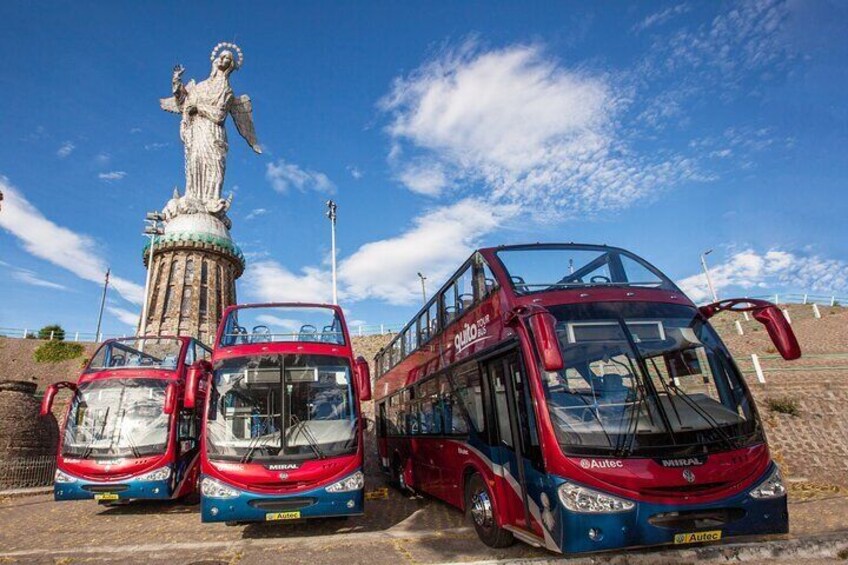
{"x":661,"y":17}
{"x":748,"y":271}
{"x":127,"y":317}
{"x":66,"y":149}
{"x":355,"y":172}
{"x":112,"y":175}
{"x":155,"y":146}
{"x":28,"y":277}
{"x":256,"y":212}
{"x":435,"y":245}
{"x":518,"y":125}
{"x":72,"y":251}
{"x":268,"y":281}
{"x":283,"y":176}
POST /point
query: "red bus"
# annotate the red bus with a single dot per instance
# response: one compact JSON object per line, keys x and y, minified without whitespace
{"x":282,"y":428}
{"x":571,"y":396}
{"x":127,"y":433}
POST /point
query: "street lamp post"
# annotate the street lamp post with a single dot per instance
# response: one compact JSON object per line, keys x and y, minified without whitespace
{"x":423,"y":287}
{"x":102,"y":304}
{"x":331,"y":213}
{"x":707,"y":274}
{"x":152,"y":229}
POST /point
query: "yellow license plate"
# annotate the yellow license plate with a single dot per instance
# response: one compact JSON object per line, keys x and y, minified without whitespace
{"x":271,"y":516}
{"x":697,"y":537}
{"x":106,"y":496}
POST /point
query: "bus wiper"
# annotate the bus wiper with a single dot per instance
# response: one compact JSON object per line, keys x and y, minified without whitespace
{"x":90,"y":446}
{"x":313,"y":443}
{"x":712,"y":422}
{"x":254,"y":443}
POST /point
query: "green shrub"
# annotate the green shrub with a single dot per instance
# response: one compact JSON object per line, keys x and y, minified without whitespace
{"x":55,"y":329}
{"x":784,"y":405}
{"x":58,"y":351}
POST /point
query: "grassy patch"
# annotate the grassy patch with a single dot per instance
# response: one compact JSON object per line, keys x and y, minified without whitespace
{"x":784,"y":405}
{"x":58,"y":351}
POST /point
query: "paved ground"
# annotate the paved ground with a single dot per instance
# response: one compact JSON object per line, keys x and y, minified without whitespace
{"x":397,"y":529}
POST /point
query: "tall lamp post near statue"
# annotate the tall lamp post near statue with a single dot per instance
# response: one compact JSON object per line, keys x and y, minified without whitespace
{"x":707,"y":274}
{"x":331,"y":213}
{"x":191,"y":276}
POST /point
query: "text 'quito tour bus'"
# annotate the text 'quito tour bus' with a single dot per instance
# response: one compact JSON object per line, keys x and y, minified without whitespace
{"x":282,"y":430}
{"x":571,"y":396}
{"x":127,"y":433}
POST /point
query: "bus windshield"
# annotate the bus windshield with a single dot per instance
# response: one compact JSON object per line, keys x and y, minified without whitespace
{"x":281,"y":407}
{"x":117,"y":418}
{"x":134,"y":352}
{"x":544,"y":268}
{"x":645,"y":379}
{"x":266,"y":324}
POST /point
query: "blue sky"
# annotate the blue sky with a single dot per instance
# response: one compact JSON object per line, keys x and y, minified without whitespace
{"x":667,"y":128}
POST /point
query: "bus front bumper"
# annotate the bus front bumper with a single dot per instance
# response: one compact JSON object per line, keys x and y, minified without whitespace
{"x":248,"y":506}
{"x":111,"y":491}
{"x":649,"y":524}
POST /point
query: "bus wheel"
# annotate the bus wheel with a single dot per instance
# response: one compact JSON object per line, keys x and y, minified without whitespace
{"x":478,"y":504}
{"x":398,"y":477}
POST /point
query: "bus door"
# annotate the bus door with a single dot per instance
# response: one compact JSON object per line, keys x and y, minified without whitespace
{"x":516,"y":442}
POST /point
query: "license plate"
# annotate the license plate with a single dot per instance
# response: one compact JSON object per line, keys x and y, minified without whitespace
{"x":697,"y":537}
{"x":271,"y":516}
{"x":106,"y":496}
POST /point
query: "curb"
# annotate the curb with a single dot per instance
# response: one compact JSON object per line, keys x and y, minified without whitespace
{"x":22,"y":492}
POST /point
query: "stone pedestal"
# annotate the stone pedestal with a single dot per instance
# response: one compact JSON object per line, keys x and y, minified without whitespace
{"x":195,"y":267}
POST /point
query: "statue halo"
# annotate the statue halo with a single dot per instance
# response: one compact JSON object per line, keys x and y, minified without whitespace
{"x":232,"y":46}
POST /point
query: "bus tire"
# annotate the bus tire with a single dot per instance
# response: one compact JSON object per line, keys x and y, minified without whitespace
{"x":398,"y":479}
{"x":479,"y":507}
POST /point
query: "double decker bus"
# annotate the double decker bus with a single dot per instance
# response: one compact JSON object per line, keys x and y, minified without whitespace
{"x":282,"y":434}
{"x":127,"y":434}
{"x":572,"y":397}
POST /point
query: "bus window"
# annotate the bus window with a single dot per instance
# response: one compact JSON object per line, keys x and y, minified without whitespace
{"x":468,"y":391}
{"x":381,"y":420}
{"x":484,"y":279}
{"x":465,"y":290}
{"x":451,"y":302}
{"x":450,"y":407}
{"x":433,"y":318}
{"x":397,"y":354}
{"x":423,"y":327}
{"x":498,"y":380}
{"x":428,"y":416}
{"x":393,"y":416}
{"x":410,"y":340}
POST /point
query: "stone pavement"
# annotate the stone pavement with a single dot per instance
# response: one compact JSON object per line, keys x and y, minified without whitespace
{"x":397,"y":529}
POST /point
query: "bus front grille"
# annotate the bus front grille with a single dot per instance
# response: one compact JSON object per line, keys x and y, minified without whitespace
{"x":282,"y":504}
{"x":696,"y":519}
{"x":105,"y":488}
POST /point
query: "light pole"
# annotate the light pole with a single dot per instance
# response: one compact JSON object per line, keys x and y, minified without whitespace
{"x":707,"y":274}
{"x":152,"y":229}
{"x":331,"y":213}
{"x":423,"y":287}
{"x":102,"y":304}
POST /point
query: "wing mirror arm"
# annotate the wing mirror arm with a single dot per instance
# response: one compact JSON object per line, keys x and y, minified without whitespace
{"x":195,"y":376}
{"x":50,"y":395}
{"x":768,"y":314}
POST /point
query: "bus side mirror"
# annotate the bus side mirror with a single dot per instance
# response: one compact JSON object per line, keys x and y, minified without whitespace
{"x":363,"y":379}
{"x":543,"y":326}
{"x":194,"y":376}
{"x":50,"y":394}
{"x":779,"y":331}
{"x":170,"y":399}
{"x":767,"y":314}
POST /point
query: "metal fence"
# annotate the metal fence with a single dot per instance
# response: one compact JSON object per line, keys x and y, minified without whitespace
{"x":27,"y":473}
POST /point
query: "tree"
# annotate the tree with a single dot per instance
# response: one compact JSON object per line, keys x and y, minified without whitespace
{"x":55,"y":329}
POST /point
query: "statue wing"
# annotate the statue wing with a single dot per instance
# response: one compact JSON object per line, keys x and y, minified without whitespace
{"x":242,"y":112}
{"x":169,"y":104}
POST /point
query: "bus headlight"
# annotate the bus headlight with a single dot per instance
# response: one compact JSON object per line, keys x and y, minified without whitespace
{"x":587,"y":501}
{"x":160,"y":474}
{"x":771,"y":487}
{"x":354,"y":482}
{"x":216,"y":489}
{"x":61,"y":477}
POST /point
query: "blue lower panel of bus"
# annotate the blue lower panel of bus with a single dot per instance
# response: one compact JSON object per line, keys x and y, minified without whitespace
{"x":107,"y":492}
{"x":656,"y":524}
{"x":254,"y":507}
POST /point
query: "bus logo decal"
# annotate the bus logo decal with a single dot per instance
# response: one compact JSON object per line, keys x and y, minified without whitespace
{"x":471,"y":334}
{"x":684,"y":462}
{"x":601,"y":464}
{"x":283,"y":466}
{"x":689,"y":476}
